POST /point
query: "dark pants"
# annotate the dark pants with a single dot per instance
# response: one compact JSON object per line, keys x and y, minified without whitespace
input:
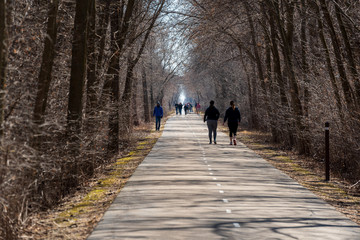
{"x":212,"y":126}
{"x":158,"y":121}
{"x":233,"y":126}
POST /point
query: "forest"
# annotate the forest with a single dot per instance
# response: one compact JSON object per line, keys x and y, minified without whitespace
{"x":76,"y":77}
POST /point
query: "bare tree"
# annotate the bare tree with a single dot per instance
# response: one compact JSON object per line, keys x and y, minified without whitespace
{"x":78,"y":72}
{"x":46,"y":64}
{"x":3,"y":61}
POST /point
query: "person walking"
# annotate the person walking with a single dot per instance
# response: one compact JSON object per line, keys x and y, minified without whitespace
{"x":180,"y":107}
{"x":177,"y":108}
{"x":158,"y":113}
{"x":211,"y":117}
{"x":233,"y":116}
{"x":186,"y":108}
{"x":197,"y":106}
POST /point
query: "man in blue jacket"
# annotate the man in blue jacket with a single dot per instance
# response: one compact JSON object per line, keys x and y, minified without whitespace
{"x":158,"y":113}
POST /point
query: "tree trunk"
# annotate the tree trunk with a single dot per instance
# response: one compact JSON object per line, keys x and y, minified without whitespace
{"x":349,"y":54}
{"x":283,"y":113}
{"x":113,"y":144}
{"x":269,"y":83}
{"x":119,"y":34}
{"x":78,"y":71}
{"x":277,"y":64}
{"x":263,"y":95}
{"x":253,"y":120}
{"x":132,"y":61}
{"x":286,"y":30}
{"x":305,"y":73}
{"x":111,"y":85}
{"x":152,"y":100}
{"x":92,"y":82}
{"x":304,"y":62}
{"x":134,"y":103}
{"x":145,"y":96}
{"x":255,"y":49}
{"x":126,"y":97}
{"x":329,"y":64}
{"x":336,"y":46}
{"x":46,"y":64}
{"x":101,"y":32}
{"x":3,"y":61}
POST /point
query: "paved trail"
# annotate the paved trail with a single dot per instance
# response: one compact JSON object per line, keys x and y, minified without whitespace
{"x":188,"y":189}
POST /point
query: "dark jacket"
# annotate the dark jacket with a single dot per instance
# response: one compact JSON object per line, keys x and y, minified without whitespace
{"x":211,"y":113}
{"x":158,"y":112}
{"x":232,"y":115}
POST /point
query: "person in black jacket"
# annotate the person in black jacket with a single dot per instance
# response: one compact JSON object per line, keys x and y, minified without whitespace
{"x":180,"y":107}
{"x":211,"y":116}
{"x":232,"y":115}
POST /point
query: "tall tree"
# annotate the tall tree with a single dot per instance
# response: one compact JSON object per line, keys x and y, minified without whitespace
{"x":330,"y":68}
{"x":104,"y":15}
{"x":120,"y":24}
{"x":145,"y":94}
{"x":133,"y":59}
{"x":304,"y":52}
{"x":349,"y":53}
{"x":348,"y":92}
{"x":78,"y":72}
{"x":47,"y":63}
{"x":91,"y":69}
{"x":112,"y":81}
{"x":3,"y":60}
{"x":286,"y":32}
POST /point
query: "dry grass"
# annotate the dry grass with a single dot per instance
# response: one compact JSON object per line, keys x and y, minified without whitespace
{"x":79,"y":213}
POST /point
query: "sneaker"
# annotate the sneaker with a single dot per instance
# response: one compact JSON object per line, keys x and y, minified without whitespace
{"x":209,"y":142}
{"x":230,"y":143}
{"x":234,"y":141}
{"x":214,"y":142}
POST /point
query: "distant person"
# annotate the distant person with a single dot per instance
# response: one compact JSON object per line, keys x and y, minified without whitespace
{"x":177,"y":108}
{"x":211,"y":116}
{"x":197,"y":106}
{"x":186,"y":109}
{"x":232,"y":115}
{"x":158,"y":113}
{"x":180,"y":108}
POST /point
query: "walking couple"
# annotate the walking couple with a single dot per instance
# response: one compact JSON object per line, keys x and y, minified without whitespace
{"x":232,"y":115}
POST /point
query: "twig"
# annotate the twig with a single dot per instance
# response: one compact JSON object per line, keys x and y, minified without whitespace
{"x":357,"y":183}
{"x":12,"y":107}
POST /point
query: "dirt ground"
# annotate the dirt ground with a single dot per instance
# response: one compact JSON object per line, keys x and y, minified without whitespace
{"x":79,"y":213}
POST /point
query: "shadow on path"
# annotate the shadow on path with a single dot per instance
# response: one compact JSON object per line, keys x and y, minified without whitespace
{"x":188,"y":189}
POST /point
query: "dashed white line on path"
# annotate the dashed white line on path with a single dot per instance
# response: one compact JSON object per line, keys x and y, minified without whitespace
{"x":219,"y":185}
{"x":228,"y":211}
{"x":214,"y":178}
{"x":211,"y":173}
{"x":236,"y":225}
{"x":221,"y":191}
{"x":225,"y":200}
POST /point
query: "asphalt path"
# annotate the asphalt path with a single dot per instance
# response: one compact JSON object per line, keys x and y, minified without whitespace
{"x":188,"y":189}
